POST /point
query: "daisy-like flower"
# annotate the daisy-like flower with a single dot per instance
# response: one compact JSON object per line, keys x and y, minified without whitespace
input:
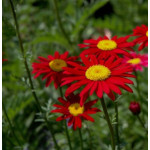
{"x":73,"y":112}
{"x":105,"y":47}
{"x":137,"y":61}
{"x":52,"y":67}
{"x":142,"y":33}
{"x":98,"y":76}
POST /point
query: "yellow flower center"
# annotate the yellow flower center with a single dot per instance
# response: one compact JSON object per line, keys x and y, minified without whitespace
{"x":107,"y":45}
{"x":57,"y":65}
{"x":75,"y":109}
{"x":147,"y":33}
{"x":97,"y":72}
{"x":134,"y":61}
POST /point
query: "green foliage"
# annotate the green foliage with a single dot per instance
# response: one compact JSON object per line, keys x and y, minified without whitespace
{"x":42,"y":36}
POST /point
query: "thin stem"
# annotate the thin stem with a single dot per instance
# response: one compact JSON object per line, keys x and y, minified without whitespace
{"x":60,"y":22}
{"x":51,"y":131}
{"x":28,"y":72}
{"x":138,"y":88}
{"x":90,"y":136}
{"x":141,"y":122}
{"x":66,"y":128}
{"x":61,"y":93}
{"x":116,"y":126}
{"x":68,"y":137}
{"x":81,"y":140}
{"x":109,"y":123}
{"x":11,"y":127}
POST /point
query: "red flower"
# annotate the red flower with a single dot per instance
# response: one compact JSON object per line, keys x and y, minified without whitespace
{"x":51,"y":67}
{"x":98,"y":75}
{"x":135,"y":108}
{"x":106,"y":47}
{"x":4,"y":60}
{"x":73,"y":112}
{"x":142,"y":33}
{"x":137,"y":61}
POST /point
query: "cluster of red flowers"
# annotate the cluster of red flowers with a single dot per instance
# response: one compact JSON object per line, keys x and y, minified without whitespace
{"x":104,"y":67}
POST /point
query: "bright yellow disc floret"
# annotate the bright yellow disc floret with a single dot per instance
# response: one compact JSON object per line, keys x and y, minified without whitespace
{"x":97,"y":72}
{"x":147,"y":33}
{"x":57,"y":65}
{"x":75,"y":109}
{"x":107,"y":45}
{"x":134,"y":61}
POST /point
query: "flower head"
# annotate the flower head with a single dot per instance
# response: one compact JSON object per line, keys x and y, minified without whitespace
{"x":142,"y":36}
{"x":135,"y":108}
{"x":137,"y":61}
{"x":73,"y":111}
{"x":98,"y":75}
{"x":52,"y":67}
{"x":104,"y":47}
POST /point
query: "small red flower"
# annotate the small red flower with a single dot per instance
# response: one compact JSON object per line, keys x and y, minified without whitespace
{"x":52,"y":67}
{"x":98,"y":76}
{"x":137,"y":61}
{"x":73,"y":112}
{"x":4,"y":60}
{"x":135,"y":108}
{"x":142,"y":33}
{"x":105,"y":47}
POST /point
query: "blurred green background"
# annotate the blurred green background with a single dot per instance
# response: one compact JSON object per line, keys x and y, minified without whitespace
{"x":82,"y":19}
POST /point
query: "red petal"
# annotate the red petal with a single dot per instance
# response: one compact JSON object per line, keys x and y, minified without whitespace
{"x":99,"y":91}
{"x":105,"y":87}
{"x":56,"y":55}
{"x":61,"y":100}
{"x":93,"y":88}
{"x":87,"y":117}
{"x":90,"y":103}
{"x":111,"y":95}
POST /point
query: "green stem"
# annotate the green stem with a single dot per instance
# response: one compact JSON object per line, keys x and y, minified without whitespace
{"x":28,"y":72}
{"x":11,"y":127}
{"x":61,"y":93}
{"x":141,"y":122}
{"x":66,"y":128}
{"x":90,"y":136}
{"x":68,"y":137}
{"x":109,"y":123}
{"x":116,"y":126}
{"x":138,"y":88}
{"x":81,"y":140}
{"x":60,"y":22}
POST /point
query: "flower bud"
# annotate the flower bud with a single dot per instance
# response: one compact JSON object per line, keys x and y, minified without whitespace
{"x":135,"y":108}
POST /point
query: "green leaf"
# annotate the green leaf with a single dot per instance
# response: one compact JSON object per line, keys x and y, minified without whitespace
{"x":59,"y":39}
{"x":87,"y":12}
{"x":12,"y":113}
{"x":8,"y":30}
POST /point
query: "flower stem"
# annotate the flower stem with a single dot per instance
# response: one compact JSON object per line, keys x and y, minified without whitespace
{"x":11,"y":127}
{"x":116,"y":126}
{"x":109,"y":123}
{"x":141,"y":122}
{"x":68,"y":137}
{"x":60,"y":23}
{"x":66,"y":128}
{"x":61,"y":93}
{"x":81,"y":140}
{"x":28,"y":72}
